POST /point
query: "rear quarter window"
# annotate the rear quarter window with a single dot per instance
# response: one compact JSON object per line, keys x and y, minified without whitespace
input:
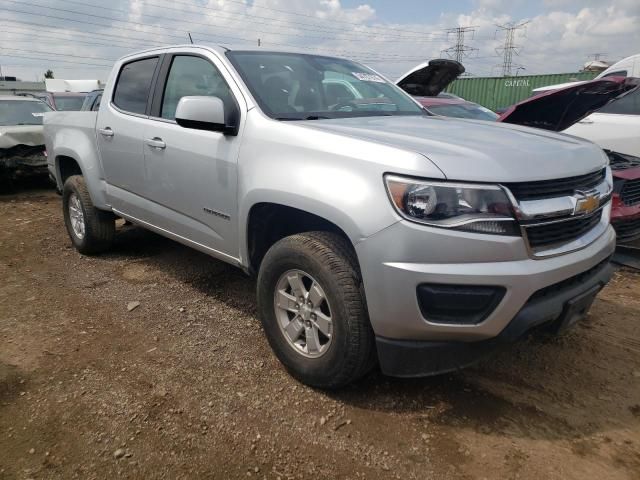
{"x":134,"y":85}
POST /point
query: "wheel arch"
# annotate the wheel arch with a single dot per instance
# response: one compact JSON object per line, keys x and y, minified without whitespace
{"x":68,"y":162}
{"x":268,"y":222}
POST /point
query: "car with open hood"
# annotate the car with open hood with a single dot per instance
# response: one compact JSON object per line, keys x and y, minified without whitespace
{"x":22,"y":147}
{"x":427,"y":82}
{"x":607,"y":112}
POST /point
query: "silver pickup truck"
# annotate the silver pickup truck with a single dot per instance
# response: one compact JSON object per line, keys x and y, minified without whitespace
{"x":378,"y":233}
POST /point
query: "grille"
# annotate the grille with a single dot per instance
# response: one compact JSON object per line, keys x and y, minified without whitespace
{"x":561,"y":232}
{"x":630,"y":193}
{"x":627,"y":230}
{"x":556,"y":188}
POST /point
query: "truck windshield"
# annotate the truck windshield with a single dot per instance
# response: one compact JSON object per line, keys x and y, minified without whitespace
{"x":69,"y":102}
{"x":22,"y":112}
{"x":290,"y":86}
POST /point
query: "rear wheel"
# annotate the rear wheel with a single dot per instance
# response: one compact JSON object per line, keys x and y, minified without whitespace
{"x":313,"y":311}
{"x":91,"y":230}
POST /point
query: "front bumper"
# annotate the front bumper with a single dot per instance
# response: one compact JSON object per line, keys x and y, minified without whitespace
{"x":551,"y":305}
{"x":400,"y":258}
{"x":395,"y":261}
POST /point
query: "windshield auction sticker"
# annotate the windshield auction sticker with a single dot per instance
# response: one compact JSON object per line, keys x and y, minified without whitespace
{"x":368,"y":77}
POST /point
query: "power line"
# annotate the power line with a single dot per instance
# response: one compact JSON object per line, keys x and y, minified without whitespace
{"x":362,"y":57}
{"x":459,"y":51}
{"x":510,"y":48}
{"x":50,"y":36}
{"x":49,"y":64}
{"x":84,"y":57}
{"x":313,"y":17}
{"x":106,"y":67}
{"x":249,"y":18}
{"x":111,"y":19}
{"x":93,"y":34}
{"x":369,"y":57}
{"x":208,"y":25}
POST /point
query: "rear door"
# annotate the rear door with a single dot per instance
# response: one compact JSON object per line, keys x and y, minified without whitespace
{"x":120,"y":131}
{"x":616,"y":126}
{"x":192,"y":174}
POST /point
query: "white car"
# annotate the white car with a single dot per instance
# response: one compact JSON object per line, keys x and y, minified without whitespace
{"x":616,"y":126}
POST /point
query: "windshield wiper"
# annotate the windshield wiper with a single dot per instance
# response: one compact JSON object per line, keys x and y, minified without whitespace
{"x":310,"y":117}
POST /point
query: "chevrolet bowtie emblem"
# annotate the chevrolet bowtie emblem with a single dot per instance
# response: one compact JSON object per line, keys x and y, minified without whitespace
{"x":586,"y":204}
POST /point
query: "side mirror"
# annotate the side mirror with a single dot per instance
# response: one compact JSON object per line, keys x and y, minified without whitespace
{"x":204,"y":113}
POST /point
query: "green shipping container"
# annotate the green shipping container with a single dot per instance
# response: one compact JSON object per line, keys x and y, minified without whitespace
{"x":501,"y":92}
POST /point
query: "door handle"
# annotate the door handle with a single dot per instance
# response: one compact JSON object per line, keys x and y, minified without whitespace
{"x":156,"y":142}
{"x":586,"y":121}
{"x":106,"y":132}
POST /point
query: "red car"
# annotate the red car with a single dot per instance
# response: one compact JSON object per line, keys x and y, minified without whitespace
{"x":426,"y":83}
{"x":557,"y":110}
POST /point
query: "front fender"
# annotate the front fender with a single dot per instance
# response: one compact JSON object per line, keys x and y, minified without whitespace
{"x":353,"y":199}
{"x":337,"y":178}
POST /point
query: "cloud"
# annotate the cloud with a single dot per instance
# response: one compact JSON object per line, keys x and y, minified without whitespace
{"x":558,"y":38}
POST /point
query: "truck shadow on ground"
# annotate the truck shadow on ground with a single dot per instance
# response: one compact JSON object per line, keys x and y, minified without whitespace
{"x":214,"y":278}
{"x":513,"y":392}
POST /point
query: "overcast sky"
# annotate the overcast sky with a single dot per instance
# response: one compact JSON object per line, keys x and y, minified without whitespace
{"x":80,"y":38}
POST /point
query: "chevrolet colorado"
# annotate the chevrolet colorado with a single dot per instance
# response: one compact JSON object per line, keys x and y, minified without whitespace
{"x":378,"y":232}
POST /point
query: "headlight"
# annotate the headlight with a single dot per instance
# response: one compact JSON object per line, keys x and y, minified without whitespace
{"x":468,"y":207}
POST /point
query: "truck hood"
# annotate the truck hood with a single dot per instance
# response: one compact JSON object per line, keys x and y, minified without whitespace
{"x":430,"y":78}
{"x":13,"y":135}
{"x":472,"y":150}
{"x":557,"y":110}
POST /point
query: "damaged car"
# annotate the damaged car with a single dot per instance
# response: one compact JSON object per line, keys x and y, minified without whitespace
{"x":22,"y":149}
{"x":426,"y":83}
{"x":607,"y":112}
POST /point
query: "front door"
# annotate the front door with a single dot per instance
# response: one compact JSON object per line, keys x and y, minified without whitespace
{"x":191,"y":175}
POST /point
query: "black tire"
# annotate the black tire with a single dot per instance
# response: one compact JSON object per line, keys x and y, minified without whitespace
{"x":331,"y":260}
{"x":99,"y":226}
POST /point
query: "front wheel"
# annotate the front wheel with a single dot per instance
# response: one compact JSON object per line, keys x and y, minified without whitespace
{"x":312,"y":308}
{"x":91,"y":230}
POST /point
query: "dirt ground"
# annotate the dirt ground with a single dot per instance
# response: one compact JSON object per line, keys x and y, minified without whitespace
{"x":185,"y":386}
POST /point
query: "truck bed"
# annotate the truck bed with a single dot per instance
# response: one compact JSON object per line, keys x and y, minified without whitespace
{"x":65,"y":129}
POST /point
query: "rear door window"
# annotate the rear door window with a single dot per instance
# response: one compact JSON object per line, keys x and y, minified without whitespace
{"x":134,"y":84}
